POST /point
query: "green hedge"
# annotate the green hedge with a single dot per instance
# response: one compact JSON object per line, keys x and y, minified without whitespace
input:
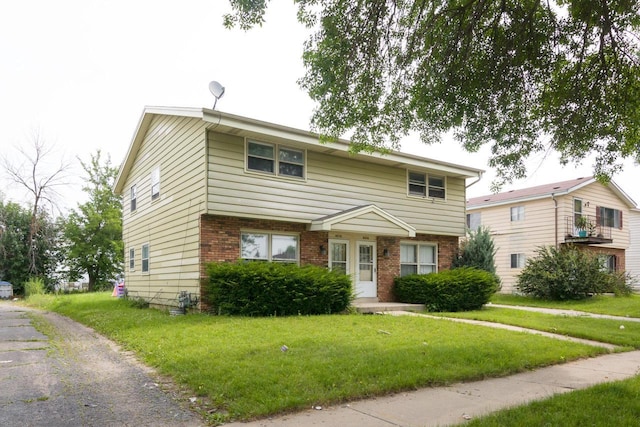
{"x":275,"y":289}
{"x":450,"y":290}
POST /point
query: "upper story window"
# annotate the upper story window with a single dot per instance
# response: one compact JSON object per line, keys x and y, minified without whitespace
{"x":421,"y":184}
{"x":517,"y":213}
{"x":155,"y":183}
{"x":608,"y":217}
{"x":418,"y":258}
{"x":261,"y":246}
{"x":134,"y":198}
{"x":474,"y":220}
{"x":275,"y":159}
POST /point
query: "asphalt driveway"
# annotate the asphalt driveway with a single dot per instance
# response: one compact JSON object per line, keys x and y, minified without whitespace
{"x":75,"y":377}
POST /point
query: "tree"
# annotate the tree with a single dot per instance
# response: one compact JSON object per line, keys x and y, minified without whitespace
{"x":16,"y":240}
{"x":34,"y":175}
{"x":477,"y":250}
{"x":94,"y":232}
{"x":526,"y":76}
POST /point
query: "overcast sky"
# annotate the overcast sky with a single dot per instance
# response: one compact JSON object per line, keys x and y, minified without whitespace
{"x":81,"y":72}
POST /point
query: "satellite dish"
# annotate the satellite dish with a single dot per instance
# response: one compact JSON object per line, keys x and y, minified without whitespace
{"x":217,"y":90}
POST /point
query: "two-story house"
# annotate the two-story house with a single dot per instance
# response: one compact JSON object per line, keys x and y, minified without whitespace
{"x":202,"y":186}
{"x":582,"y":212}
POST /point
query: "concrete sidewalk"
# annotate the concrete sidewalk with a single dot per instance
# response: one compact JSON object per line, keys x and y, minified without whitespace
{"x":441,"y":406}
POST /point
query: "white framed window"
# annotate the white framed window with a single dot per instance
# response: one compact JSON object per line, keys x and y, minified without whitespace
{"x":265,"y":246}
{"x":145,"y":258}
{"x":608,"y":263}
{"x":275,"y":159}
{"x":423,"y":185}
{"x":155,"y":183}
{"x":132,"y":259}
{"x":474,"y":220}
{"x":134,"y":198}
{"x":339,"y":255}
{"x":517,"y":213}
{"x":418,"y":258}
{"x":518,"y":260}
{"x":417,"y":184}
{"x":436,"y":187}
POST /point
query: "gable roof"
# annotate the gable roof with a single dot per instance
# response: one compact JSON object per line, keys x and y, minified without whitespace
{"x":270,"y":132}
{"x":543,"y":191}
{"x":350,"y":219}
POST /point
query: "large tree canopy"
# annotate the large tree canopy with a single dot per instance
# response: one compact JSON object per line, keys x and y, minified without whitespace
{"x":525,"y":76}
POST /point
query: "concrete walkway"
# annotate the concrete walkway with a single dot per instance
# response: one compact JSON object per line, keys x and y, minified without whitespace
{"x":458,"y":403}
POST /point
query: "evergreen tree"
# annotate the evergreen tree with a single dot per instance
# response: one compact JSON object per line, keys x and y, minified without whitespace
{"x":477,"y":250}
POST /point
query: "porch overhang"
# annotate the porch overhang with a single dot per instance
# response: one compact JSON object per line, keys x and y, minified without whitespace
{"x":364,"y":219}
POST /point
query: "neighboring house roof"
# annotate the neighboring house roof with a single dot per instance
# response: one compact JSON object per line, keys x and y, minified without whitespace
{"x":543,"y":191}
{"x":369,"y":213}
{"x":246,"y":127}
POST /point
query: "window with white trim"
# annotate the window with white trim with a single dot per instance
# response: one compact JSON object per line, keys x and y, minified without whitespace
{"x":517,"y":260}
{"x":608,"y":263}
{"x":422,"y":185}
{"x":132,"y":259}
{"x":275,"y":159}
{"x":145,"y":258}
{"x":417,"y":184}
{"x":418,"y":258}
{"x":134,"y":198}
{"x":155,"y":183}
{"x":608,"y":217}
{"x":517,"y":213}
{"x":259,"y":246}
{"x":436,"y":187}
{"x":474,"y":220}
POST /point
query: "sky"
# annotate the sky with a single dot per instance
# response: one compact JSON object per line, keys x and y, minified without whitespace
{"x":80,"y":72}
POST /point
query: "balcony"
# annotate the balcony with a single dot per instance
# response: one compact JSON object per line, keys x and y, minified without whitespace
{"x":586,"y":230}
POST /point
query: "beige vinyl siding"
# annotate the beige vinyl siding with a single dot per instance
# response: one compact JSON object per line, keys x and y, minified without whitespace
{"x":633,"y":254}
{"x":518,"y":237}
{"x":170,"y":224}
{"x":333,"y":184}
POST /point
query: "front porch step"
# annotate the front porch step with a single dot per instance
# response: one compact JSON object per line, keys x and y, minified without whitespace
{"x":381,"y":307}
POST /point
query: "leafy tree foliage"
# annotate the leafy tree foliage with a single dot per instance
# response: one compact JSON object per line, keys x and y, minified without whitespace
{"x":94,"y":231}
{"x":526,"y":76}
{"x":15,"y":237}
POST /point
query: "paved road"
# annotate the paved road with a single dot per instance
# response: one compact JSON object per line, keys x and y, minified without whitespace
{"x":75,"y":377}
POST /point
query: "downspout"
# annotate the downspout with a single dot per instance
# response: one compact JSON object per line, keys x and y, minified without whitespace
{"x":555,"y":211}
{"x":475,"y":182}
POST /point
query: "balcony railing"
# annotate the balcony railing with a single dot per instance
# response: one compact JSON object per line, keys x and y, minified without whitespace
{"x":586,"y":229}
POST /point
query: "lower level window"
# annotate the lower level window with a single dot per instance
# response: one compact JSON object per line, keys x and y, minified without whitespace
{"x":517,"y":260}
{"x":145,"y":258}
{"x":417,"y":258}
{"x":269,"y":247}
{"x":608,"y":263}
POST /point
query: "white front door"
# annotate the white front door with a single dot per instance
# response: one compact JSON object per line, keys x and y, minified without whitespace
{"x":366,"y":270}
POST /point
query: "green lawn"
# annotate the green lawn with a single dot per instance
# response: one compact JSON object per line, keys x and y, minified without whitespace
{"x":601,"y":304}
{"x":238,"y":363}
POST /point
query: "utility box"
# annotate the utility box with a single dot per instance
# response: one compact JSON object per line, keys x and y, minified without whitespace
{"x":6,"y":290}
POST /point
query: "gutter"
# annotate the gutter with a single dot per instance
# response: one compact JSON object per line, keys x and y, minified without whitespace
{"x":476,"y":181}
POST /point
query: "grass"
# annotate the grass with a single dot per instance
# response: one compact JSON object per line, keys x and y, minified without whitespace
{"x":238,"y":363}
{"x":610,"y":404}
{"x":602,"y":330}
{"x":601,"y":304}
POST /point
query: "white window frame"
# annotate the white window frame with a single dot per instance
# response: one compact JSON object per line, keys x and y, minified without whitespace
{"x":607,"y":220}
{"x":277,"y":148}
{"x":132,"y":259}
{"x":517,"y":213}
{"x":147,"y":259}
{"x":423,"y":187}
{"x":134,"y":198}
{"x":474,"y":220}
{"x":417,"y":262}
{"x":155,"y":183}
{"x":270,"y":235}
{"x":520,"y":260}
{"x":347,"y":249}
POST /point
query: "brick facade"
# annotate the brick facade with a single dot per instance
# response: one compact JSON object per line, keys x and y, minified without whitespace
{"x":220,"y":242}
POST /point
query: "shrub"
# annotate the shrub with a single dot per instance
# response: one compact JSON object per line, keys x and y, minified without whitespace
{"x":461,"y":289}
{"x":568,"y":274}
{"x":275,"y":289}
{"x":35,"y":286}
